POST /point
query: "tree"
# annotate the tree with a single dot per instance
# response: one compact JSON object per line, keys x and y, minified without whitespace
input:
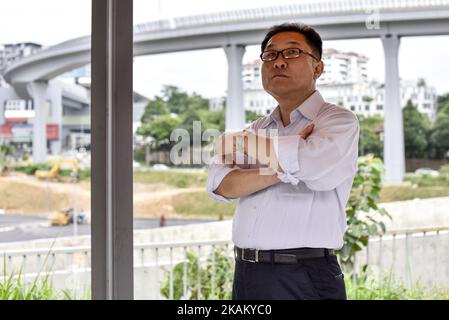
{"x":160,"y":129}
{"x":443,"y":102}
{"x":179,"y":101}
{"x":154,"y":108}
{"x":439,"y":137}
{"x":369,"y":141}
{"x":251,"y":116}
{"x":177,"y":109}
{"x":416,"y":131}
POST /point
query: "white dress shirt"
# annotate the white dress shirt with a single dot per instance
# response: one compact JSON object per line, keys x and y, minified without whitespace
{"x":307,"y":208}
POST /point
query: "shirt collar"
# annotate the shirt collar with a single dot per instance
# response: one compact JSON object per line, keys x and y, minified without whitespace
{"x":309,"y":109}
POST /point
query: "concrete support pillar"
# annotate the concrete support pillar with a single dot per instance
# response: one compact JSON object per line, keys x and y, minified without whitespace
{"x":56,"y":115}
{"x":6,"y":93}
{"x":235,"y":112}
{"x":38,"y":91}
{"x":394,"y":154}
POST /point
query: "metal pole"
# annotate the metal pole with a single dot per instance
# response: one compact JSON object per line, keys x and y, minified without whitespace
{"x":112,"y":138}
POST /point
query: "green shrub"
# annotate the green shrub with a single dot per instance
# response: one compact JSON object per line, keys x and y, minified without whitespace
{"x":216,"y":283}
{"x":362,"y":213}
{"x":32,"y":167}
{"x":212,"y":279}
{"x":384,"y":287}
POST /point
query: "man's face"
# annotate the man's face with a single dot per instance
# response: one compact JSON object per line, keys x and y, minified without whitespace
{"x":284,"y":77}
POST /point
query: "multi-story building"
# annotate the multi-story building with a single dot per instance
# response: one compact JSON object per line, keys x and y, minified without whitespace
{"x":343,"y":67}
{"x":368,"y":98}
{"x":345,"y":82}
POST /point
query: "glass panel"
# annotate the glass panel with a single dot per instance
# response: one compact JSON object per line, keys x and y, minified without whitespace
{"x":45,"y":149}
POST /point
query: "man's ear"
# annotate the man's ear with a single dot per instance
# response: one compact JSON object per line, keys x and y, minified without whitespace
{"x":319,"y":68}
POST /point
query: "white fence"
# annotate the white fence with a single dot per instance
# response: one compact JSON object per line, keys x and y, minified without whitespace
{"x":411,"y":255}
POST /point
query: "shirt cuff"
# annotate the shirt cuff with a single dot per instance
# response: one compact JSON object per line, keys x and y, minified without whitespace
{"x":215,"y":177}
{"x":287,"y":154}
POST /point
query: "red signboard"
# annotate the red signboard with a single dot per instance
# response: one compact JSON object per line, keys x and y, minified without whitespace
{"x":52,"y":131}
{"x":5,"y":131}
{"x":16,"y":120}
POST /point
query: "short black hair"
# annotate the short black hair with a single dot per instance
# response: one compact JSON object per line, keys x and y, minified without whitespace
{"x":312,"y":37}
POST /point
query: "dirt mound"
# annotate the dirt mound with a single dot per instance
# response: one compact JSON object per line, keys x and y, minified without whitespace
{"x":23,"y":194}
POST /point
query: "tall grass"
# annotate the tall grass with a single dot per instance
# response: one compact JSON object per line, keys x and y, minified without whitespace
{"x":386,"y":287}
{"x":15,"y":287}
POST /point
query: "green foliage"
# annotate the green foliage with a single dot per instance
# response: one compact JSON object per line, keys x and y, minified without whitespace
{"x":177,"y":109}
{"x":211,"y":280}
{"x":12,"y":287}
{"x":160,"y":129}
{"x":362,"y":211}
{"x":385,"y":287}
{"x":367,"y":99}
{"x":216,"y":283}
{"x":440,"y":134}
{"x":171,"y":178}
{"x":154,"y":108}
{"x":416,"y":132}
{"x":140,"y":153}
{"x":32,"y":167}
{"x":369,"y":141}
{"x":252,"y":116}
{"x":178,"y":101}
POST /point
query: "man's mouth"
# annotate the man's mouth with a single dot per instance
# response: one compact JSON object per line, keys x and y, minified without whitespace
{"x":279,"y":76}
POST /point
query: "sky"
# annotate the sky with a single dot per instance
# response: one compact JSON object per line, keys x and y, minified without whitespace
{"x":205,"y":71}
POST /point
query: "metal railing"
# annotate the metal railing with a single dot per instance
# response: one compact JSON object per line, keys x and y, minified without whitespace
{"x":287,"y":11}
{"x":417,"y":254}
{"x":153,"y":262}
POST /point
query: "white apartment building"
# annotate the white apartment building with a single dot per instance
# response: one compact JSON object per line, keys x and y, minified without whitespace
{"x":367,"y":98}
{"x":343,"y":67}
{"x":345,"y":82}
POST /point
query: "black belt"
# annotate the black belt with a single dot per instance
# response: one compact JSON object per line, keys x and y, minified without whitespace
{"x":286,"y":256}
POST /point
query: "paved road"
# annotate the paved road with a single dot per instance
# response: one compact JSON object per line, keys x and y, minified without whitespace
{"x":22,"y":228}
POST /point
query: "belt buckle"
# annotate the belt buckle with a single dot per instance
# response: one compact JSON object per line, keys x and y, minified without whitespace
{"x":256,"y":256}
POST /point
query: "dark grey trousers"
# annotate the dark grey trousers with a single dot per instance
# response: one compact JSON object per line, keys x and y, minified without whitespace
{"x":318,"y":278}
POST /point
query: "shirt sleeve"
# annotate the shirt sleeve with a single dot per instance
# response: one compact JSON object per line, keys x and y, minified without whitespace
{"x":215,"y":175}
{"x":326,"y":158}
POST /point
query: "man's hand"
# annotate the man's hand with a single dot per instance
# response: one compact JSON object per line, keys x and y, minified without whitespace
{"x":307,"y":131}
{"x":226,"y":147}
{"x":252,"y":145}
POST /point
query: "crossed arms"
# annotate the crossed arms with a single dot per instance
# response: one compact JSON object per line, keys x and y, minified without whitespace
{"x":322,"y":157}
{"x":243,"y":182}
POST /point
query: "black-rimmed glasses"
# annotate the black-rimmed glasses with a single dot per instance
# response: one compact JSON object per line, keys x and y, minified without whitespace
{"x":289,"y":53}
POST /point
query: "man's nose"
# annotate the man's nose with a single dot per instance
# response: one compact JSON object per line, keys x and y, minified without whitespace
{"x":280,"y":63}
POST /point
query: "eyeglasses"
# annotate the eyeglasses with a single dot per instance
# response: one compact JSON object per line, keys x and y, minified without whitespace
{"x":289,"y":53}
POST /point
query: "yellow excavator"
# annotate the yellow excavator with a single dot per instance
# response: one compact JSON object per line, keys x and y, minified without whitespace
{"x":53,"y":173}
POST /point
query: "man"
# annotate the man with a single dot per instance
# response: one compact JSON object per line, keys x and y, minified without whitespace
{"x":293,"y":193}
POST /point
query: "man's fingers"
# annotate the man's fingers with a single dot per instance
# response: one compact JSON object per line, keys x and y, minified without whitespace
{"x":305,"y":133}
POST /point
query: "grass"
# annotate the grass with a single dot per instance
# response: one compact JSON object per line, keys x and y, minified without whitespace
{"x":422,"y":187}
{"x":13,"y":286}
{"x":365,"y":287}
{"x":406,"y":192}
{"x":171,"y":178}
{"x":199,"y":204}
